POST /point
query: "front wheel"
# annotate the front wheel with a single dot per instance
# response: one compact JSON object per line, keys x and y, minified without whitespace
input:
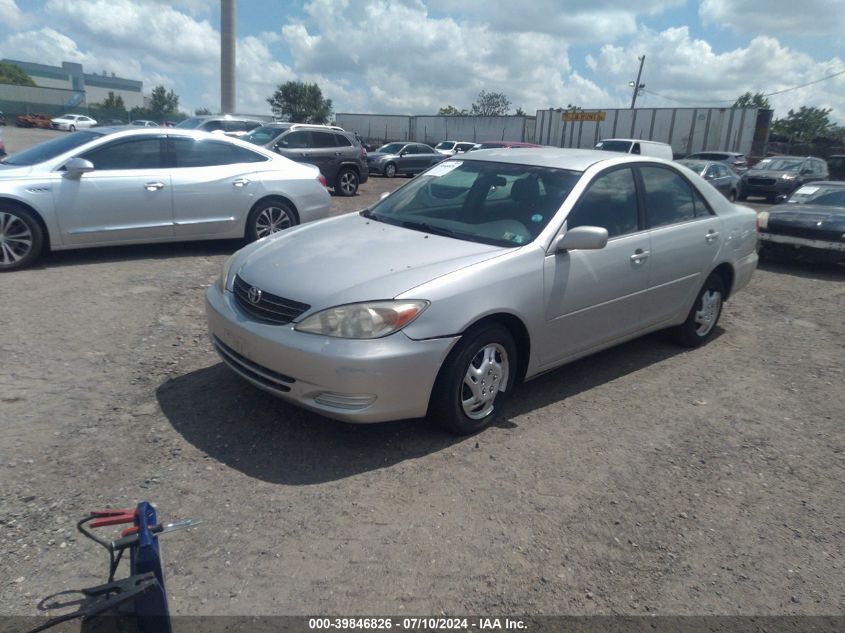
{"x":346,"y":183}
{"x":390,"y":170}
{"x":21,"y":239}
{"x":72,"y":128}
{"x":474,"y":380}
{"x":269,"y":217}
{"x":732,"y":196}
{"x":704,"y":315}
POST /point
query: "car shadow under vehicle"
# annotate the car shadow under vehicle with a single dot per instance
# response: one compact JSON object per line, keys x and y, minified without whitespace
{"x":798,"y":266}
{"x":264,"y":437}
{"x":106,"y":254}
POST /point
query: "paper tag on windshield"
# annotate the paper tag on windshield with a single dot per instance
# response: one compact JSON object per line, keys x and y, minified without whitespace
{"x":806,"y":191}
{"x":441,"y":169}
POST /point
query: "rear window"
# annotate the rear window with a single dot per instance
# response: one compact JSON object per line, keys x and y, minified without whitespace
{"x":614,"y":146}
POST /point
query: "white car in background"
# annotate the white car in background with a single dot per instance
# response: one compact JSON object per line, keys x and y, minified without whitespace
{"x":72,"y":122}
{"x":109,"y":186}
{"x":450,"y":148}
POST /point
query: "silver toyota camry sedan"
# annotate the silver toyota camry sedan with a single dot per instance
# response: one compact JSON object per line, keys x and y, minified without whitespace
{"x":110,"y":186}
{"x":482,"y":272}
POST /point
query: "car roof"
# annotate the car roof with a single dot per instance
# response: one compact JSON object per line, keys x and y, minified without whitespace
{"x":559,"y":158}
{"x":819,"y":183}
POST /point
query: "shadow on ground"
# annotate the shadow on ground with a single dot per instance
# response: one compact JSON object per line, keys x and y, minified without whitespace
{"x":171,"y":250}
{"x":263,"y":437}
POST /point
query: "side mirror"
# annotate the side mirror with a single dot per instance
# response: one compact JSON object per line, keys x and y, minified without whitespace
{"x":582,"y":238}
{"x":75,"y":167}
{"x":780,"y":199}
{"x":404,"y":152}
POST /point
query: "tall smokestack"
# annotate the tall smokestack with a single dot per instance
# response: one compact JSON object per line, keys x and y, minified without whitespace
{"x":227,"y":56}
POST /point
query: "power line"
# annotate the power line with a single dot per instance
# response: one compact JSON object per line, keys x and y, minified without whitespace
{"x":768,"y":94}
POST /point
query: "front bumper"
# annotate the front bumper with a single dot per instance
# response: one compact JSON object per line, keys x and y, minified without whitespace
{"x":791,"y":240}
{"x":390,"y":378}
{"x":781,"y":187}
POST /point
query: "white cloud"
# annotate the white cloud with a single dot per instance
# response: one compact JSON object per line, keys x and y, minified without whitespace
{"x":11,"y":15}
{"x":776,"y":17}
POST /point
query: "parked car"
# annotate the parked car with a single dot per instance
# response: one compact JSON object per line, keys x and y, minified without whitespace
{"x":450,"y":148}
{"x":109,"y":186}
{"x":811,"y":223}
{"x":717,"y":174}
{"x":482,"y":272}
{"x":402,"y":158}
{"x":32,"y":120}
{"x":110,"y":122}
{"x":72,"y":122}
{"x":227,"y":124}
{"x":144,"y":123}
{"x":339,"y":155}
{"x":500,"y":145}
{"x":734,"y":160}
{"x":636,"y":146}
{"x":781,"y":175}
{"x":836,"y":166}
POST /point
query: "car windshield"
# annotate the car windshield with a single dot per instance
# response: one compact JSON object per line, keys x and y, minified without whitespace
{"x":780,"y":164}
{"x":819,"y":194}
{"x":698,"y":166}
{"x":262,"y":134}
{"x":50,"y":149}
{"x":445,"y":145}
{"x":503,"y":204}
{"x":191,"y":123}
{"x":391,"y":148}
{"x":614,"y":146}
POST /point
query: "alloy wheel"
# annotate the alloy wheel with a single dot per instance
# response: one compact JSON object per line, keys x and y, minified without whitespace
{"x":272,"y":220}
{"x":16,"y":239}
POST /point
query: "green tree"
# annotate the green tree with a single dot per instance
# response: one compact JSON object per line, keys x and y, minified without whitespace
{"x":13,"y":74}
{"x":113,"y":103}
{"x":163,"y":102}
{"x":202,"y":111}
{"x":756,"y":100}
{"x":806,"y":124}
{"x":490,"y":104}
{"x":300,"y":102}
{"x":451,"y":110}
{"x":520,"y":112}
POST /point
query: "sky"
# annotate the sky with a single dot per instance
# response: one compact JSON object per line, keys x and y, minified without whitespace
{"x":415,"y":56}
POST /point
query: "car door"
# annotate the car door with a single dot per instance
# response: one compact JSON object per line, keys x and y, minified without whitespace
{"x":685,"y":239}
{"x":126,"y":198}
{"x":298,"y":145}
{"x":213,"y":186}
{"x":326,"y":154}
{"x":595,"y":297}
{"x":717,"y":175}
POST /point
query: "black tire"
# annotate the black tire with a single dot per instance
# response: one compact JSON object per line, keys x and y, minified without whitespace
{"x":390,"y":170}
{"x":732,"y":196}
{"x":71,"y":128}
{"x":268,"y":217}
{"x":704,"y":314}
{"x":346,"y":183}
{"x":488,"y":346}
{"x":21,"y":238}
{"x":743,"y":197}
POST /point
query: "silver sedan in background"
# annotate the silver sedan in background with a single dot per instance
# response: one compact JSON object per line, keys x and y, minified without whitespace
{"x":486,"y":270}
{"x":110,"y":186}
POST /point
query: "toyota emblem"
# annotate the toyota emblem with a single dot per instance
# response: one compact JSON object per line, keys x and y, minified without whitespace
{"x":254,"y":295}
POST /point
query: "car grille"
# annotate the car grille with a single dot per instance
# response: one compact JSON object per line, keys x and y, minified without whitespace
{"x":810,"y":233}
{"x":260,"y":374}
{"x":761,"y":182}
{"x":269,"y":308}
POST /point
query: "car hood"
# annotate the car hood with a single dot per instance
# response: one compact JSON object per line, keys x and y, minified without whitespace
{"x":808,"y":215}
{"x":8,"y":172}
{"x":352,"y":258}
{"x":380,"y":155}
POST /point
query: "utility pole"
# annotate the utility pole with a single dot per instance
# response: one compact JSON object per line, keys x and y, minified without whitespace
{"x":636,"y":85}
{"x":228,"y":42}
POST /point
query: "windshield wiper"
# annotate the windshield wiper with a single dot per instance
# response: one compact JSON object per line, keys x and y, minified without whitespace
{"x":427,"y":228}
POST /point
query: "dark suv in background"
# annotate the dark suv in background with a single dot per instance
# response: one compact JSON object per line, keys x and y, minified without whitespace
{"x":339,"y":155}
{"x":778,"y":176}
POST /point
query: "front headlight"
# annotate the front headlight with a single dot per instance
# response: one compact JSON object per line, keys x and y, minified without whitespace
{"x":788,"y":176}
{"x":363,"y":320}
{"x":224,"y":277}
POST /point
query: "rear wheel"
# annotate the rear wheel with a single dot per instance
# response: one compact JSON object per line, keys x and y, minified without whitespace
{"x":346,"y":183}
{"x":704,"y":315}
{"x":474,"y":380}
{"x":21,"y":238}
{"x":743,"y":197}
{"x":268,"y":217}
{"x":390,"y":170}
{"x":72,"y":128}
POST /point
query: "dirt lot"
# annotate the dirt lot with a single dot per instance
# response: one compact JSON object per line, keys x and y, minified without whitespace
{"x":646,"y":479}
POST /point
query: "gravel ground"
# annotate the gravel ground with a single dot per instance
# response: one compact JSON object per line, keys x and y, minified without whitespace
{"x":645,"y":479}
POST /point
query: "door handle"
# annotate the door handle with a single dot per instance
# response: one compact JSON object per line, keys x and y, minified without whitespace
{"x":711,"y":236}
{"x":639,"y":256}
{"x":240,"y":182}
{"x":154,"y":186}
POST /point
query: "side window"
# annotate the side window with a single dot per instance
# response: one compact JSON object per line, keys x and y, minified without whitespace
{"x":234,"y":126}
{"x":205,"y":153}
{"x":211,"y":126}
{"x":423,"y":149}
{"x":341,"y":141}
{"x":296,"y":140}
{"x":322,"y":139}
{"x":711,"y":172}
{"x":668,"y":197}
{"x":141,"y":153}
{"x":635,"y":149}
{"x":609,"y":202}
